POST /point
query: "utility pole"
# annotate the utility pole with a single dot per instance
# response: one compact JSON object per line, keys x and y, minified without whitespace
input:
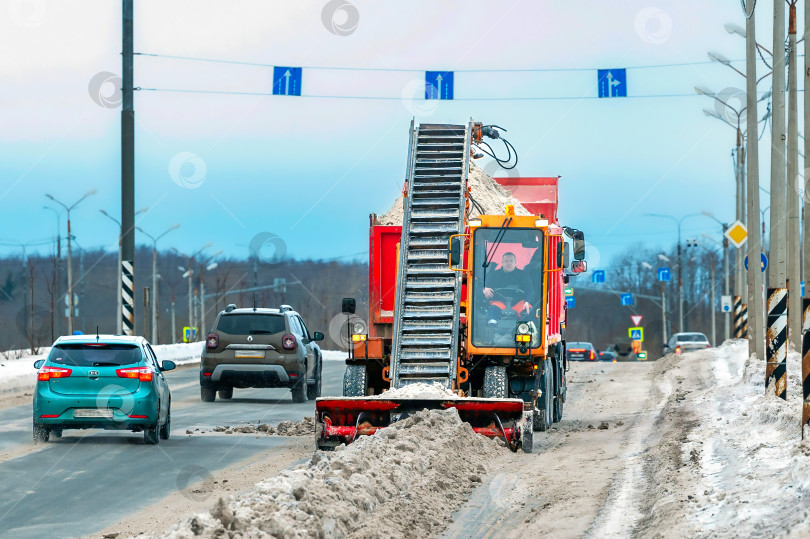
{"x":727,"y":288}
{"x":155,"y":291}
{"x":793,"y":208}
{"x":755,"y":305}
{"x":127,"y":173}
{"x":174,"y":323}
{"x":664,"y":313}
{"x":777,"y":262}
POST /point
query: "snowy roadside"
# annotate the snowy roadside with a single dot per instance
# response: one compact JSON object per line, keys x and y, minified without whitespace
{"x":19,"y":373}
{"x":730,"y":461}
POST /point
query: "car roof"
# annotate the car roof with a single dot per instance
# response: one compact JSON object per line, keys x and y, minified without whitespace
{"x":578,"y":343}
{"x":258,"y":310}
{"x":112,"y":339}
{"x":691,"y":333}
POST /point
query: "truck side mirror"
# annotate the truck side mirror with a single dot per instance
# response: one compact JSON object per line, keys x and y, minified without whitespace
{"x":579,"y":245}
{"x":348,"y":305}
{"x":579,"y":266}
{"x":456,"y":252}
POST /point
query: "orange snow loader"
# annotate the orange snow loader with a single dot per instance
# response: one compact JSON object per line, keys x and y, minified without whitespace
{"x":469,"y":303}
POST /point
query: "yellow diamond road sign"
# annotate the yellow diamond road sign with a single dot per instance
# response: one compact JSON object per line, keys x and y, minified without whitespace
{"x":737,"y":233}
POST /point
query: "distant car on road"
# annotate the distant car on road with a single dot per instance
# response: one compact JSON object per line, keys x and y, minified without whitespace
{"x":686,"y":342}
{"x":580,"y":351}
{"x":102,"y":382}
{"x":260,"y":348}
{"x":606,"y":355}
{"x":623,"y":351}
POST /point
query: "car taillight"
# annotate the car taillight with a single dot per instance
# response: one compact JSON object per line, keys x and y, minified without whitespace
{"x":288,"y":342}
{"x":143,"y":374}
{"x":593,"y":355}
{"x":708,"y":346}
{"x":46,"y":373}
{"x":212,"y":341}
{"x":678,"y":349}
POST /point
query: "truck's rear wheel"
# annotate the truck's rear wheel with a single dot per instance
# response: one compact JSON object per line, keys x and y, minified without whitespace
{"x":496,"y":383}
{"x":355,"y":381}
{"x":558,"y":399}
{"x":543,"y":416}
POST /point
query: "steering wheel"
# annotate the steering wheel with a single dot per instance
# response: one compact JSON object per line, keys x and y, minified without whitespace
{"x":509,"y":293}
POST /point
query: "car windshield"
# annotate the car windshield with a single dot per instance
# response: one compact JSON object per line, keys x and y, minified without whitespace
{"x":508,"y":279}
{"x":692,"y":337}
{"x":94,"y":354}
{"x":251,"y":324}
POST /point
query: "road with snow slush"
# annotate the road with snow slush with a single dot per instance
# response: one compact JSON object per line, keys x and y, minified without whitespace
{"x":687,"y":446}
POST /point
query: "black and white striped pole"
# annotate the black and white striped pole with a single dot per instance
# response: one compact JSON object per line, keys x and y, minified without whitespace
{"x":127,"y":173}
{"x":744,"y":322}
{"x":738,"y":317}
{"x":776,"y":341}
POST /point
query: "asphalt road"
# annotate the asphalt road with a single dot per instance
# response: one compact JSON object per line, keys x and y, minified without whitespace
{"x":87,"y":480}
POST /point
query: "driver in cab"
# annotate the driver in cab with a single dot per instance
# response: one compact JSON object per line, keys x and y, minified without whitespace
{"x":497,"y":289}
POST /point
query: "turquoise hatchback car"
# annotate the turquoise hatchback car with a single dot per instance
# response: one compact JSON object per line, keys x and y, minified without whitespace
{"x":102,"y":382}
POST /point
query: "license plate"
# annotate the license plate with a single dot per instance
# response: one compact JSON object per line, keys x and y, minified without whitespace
{"x":105,"y":413}
{"x":249,"y":354}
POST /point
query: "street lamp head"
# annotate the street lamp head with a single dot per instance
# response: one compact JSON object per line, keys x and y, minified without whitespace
{"x":712,"y":114}
{"x":702,"y":90}
{"x":765,"y":96}
{"x":717,"y":57}
{"x":50,"y":196}
{"x":90,"y":192}
{"x":663,"y":257}
{"x":646,"y":265}
{"x":174,"y":226}
{"x":181,"y":268}
{"x":732,"y":28}
{"x":211,"y":266}
{"x":142,"y":210}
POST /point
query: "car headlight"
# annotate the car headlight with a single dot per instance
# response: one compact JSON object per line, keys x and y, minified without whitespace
{"x":359,"y":328}
{"x":523,"y":328}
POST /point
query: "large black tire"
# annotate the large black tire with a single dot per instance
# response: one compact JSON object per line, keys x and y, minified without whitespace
{"x":299,"y":391}
{"x":41,"y":434}
{"x":151,"y":435}
{"x":355,"y":381}
{"x":314,"y":390}
{"x":207,"y":394}
{"x":558,"y":398}
{"x":496,"y":383}
{"x":166,"y":429}
{"x":226,"y":393}
{"x":543,"y":416}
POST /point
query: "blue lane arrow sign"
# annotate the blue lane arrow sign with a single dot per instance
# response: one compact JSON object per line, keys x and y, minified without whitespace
{"x":286,"y":80}
{"x":598,"y":276}
{"x":664,"y":274}
{"x":438,"y":85}
{"x":612,"y":83}
{"x":571,"y":301}
{"x":627,"y":299}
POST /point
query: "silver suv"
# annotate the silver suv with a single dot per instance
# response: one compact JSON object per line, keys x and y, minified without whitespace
{"x":261,"y":348}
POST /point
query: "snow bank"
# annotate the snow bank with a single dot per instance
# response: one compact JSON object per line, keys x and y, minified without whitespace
{"x":17,"y":374}
{"x":731,"y":462}
{"x":419,"y":390}
{"x":404,"y":481}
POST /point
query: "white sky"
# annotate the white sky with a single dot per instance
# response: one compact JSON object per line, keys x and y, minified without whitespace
{"x":311,"y":169}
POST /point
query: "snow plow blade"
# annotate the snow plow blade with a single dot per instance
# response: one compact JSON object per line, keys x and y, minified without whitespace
{"x":340,"y":420}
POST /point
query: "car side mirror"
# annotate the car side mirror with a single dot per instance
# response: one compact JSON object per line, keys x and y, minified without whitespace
{"x":579,"y":266}
{"x":317,"y":336}
{"x":168,"y":365}
{"x":39,"y":363}
{"x":348,"y":305}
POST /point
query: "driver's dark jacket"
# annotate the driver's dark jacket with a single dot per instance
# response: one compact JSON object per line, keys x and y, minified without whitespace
{"x":513,"y":279}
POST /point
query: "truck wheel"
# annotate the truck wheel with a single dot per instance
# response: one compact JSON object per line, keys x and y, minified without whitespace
{"x":558,"y":402}
{"x":41,"y":434}
{"x":543,"y":416}
{"x":314,"y":390}
{"x":226,"y":393}
{"x":355,"y":381}
{"x":207,"y":394}
{"x":496,"y":383}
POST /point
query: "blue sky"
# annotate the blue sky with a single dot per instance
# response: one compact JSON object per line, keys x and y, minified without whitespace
{"x":310,"y":169}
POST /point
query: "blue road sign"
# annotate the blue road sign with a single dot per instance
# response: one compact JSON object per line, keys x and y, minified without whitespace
{"x":635,"y":334}
{"x":627,"y":299}
{"x":763,"y":262}
{"x":571,"y":301}
{"x":612,"y":83}
{"x":802,"y":288}
{"x":664,"y":274}
{"x":438,"y":85}
{"x":286,"y":80}
{"x":598,"y":276}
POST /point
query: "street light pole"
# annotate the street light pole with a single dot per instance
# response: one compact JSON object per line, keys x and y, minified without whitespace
{"x":57,"y":284}
{"x":189,"y":273}
{"x":69,"y":260}
{"x":793,"y":217}
{"x":155,"y":278}
{"x":777,"y":263}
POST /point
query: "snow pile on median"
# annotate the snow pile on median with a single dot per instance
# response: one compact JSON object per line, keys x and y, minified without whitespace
{"x":730,"y":461}
{"x":486,"y":192}
{"x":404,"y":481}
{"x":305,"y":427}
